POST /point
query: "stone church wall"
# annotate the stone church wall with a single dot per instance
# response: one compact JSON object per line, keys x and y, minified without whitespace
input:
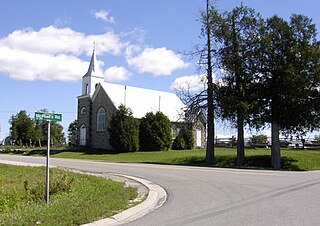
{"x":100,"y":139}
{"x":84,"y":118}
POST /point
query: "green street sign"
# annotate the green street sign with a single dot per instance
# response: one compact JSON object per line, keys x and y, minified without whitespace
{"x":42,"y":116}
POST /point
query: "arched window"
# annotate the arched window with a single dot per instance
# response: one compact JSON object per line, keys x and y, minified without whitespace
{"x":101,"y":120}
{"x":83,"y":135}
{"x":96,"y":85}
{"x":83,"y":110}
{"x":87,"y":88}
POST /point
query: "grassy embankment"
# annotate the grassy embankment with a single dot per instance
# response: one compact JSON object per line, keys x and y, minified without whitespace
{"x":292,"y":159}
{"x":75,"y":198}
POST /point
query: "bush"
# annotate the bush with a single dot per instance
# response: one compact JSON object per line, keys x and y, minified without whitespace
{"x":124,"y":131}
{"x":155,"y":132}
{"x":58,"y":184}
{"x":184,"y":140}
{"x":178,"y":143}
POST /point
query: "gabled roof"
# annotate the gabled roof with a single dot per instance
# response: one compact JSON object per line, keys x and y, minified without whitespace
{"x":141,"y":100}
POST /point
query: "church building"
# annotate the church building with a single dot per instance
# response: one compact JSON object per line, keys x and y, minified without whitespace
{"x":100,"y":99}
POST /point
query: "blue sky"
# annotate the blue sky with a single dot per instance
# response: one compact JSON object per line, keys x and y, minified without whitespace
{"x":45,"y":47}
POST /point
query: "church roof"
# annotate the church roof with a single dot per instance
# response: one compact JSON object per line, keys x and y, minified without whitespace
{"x":141,"y":100}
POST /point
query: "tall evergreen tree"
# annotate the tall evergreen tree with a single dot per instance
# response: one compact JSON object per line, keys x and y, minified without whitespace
{"x":124,"y":130}
{"x":236,"y":36}
{"x":289,"y":80}
{"x":155,"y":132}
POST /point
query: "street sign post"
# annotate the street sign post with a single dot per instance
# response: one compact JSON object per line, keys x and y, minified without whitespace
{"x":43,"y":116}
{"x":48,"y":117}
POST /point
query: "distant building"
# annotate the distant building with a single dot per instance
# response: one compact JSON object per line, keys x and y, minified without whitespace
{"x":100,"y":99}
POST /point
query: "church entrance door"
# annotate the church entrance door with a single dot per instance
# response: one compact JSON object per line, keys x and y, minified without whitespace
{"x":199,"y":135}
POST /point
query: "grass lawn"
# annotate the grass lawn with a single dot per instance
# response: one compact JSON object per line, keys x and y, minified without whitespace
{"x":292,"y":159}
{"x":75,"y":198}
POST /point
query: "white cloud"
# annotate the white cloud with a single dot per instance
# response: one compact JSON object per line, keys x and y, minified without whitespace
{"x":53,"y":40}
{"x":116,"y":73}
{"x":52,"y":53}
{"x":24,"y":65}
{"x":104,"y":15}
{"x":191,"y":83}
{"x":158,"y":61}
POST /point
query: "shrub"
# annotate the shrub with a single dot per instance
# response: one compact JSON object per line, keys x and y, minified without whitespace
{"x":124,"y":131}
{"x":58,"y":184}
{"x":184,"y":140}
{"x":155,"y":132}
{"x":178,"y":143}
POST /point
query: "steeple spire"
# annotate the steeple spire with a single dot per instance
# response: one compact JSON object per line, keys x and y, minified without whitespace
{"x":94,"y":69}
{"x":92,"y":64}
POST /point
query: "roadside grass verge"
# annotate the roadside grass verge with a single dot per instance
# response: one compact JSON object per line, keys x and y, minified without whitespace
{"x":75,"y":198}
{"x":292,"y":159}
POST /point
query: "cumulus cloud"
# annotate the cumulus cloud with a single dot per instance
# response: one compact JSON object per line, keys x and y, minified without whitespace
{"x":53,"y":40}
{"x":158,"y":61}
{"x":104,"y":15}
{"x":191,"y":83}
{"x":22,"y":65}
{"x":52,"y":53}
{"x":116,"y":73}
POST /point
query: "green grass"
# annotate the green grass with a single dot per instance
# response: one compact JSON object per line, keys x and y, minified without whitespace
{"x":292,"y":159}
{"x":84,"y":199}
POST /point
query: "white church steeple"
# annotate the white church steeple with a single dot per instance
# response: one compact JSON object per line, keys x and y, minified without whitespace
{"x":93,"y":77}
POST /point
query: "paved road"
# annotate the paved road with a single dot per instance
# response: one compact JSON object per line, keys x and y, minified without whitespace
{"x":213,"y":196}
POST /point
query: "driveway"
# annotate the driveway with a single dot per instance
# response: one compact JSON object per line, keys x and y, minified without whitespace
{"x":215,"y":196}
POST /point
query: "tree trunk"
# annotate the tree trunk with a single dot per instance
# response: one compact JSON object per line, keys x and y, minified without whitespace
{"x":275,"y":142}
{"x":210,"y":116}
{"x":240,"y":143}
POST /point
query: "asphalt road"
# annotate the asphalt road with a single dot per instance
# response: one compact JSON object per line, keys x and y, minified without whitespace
{"x":214,"y":196}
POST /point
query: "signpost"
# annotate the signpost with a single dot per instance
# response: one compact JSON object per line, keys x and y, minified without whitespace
{"x":48,"y":117}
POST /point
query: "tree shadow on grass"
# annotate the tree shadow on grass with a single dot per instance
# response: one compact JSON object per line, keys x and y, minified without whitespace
{"x":251,"y":162}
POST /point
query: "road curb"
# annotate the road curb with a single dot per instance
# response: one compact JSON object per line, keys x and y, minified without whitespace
{"x":155,"y":199}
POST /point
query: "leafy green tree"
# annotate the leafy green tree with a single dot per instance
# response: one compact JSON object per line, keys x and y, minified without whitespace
{"x":72,"y":133}
{"x":155,"y":132}
{"x":56,"y":134}
{"x":22,"y":128}
{"x":236,"y":35}
{"x":124,"y":130}
{"x":289,"y":80}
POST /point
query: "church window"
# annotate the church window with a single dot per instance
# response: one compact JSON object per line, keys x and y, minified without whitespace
{"x":87,"y":89}
{"x":83,"y":135}
{"x":101,"y":120}
{"x":96,"y":85}
{"x":83,"y":110}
